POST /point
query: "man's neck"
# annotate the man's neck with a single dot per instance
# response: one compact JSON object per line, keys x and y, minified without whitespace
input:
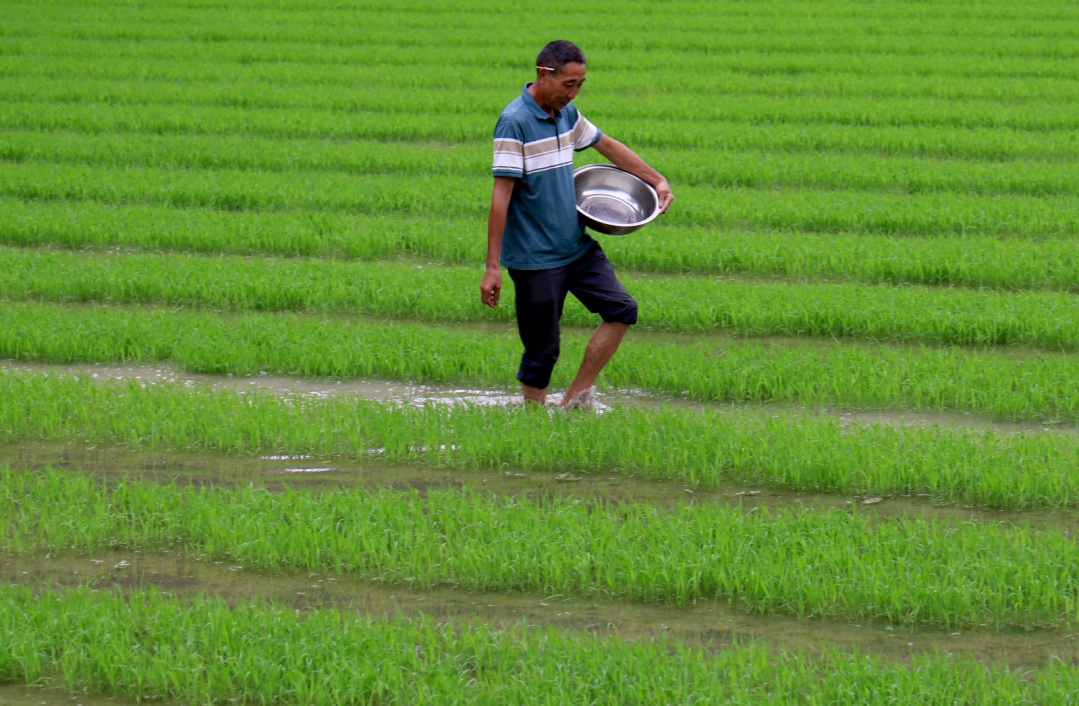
{"x":532,"y":92}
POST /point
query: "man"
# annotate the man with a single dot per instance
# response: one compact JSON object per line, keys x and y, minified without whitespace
{"x":533,"y":229}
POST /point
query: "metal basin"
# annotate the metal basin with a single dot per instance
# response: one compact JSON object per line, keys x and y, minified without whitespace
{"x":612,"y":201}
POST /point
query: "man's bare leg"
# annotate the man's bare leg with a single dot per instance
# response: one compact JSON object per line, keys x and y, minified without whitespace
{"x":600,"y":350}
{"x":534,"y":395}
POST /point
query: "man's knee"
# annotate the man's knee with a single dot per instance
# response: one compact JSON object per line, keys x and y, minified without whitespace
{"x":622,"y":312}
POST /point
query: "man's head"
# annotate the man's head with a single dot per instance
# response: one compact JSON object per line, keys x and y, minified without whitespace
{"x":560,"y":69}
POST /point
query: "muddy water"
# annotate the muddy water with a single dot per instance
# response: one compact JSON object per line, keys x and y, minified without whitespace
{"x":23,"y":695}
{"x":715,"y":624}
{"x":703,"y":625}
{"x":404,"y":393}
{"x":305,"y":471}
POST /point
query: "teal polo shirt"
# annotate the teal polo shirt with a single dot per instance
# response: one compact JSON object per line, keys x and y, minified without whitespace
{"x":542,"y":230}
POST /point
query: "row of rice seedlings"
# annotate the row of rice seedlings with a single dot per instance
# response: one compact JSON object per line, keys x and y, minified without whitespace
{"x":769,"y":54}
{"x":965,"y":260}
{"x":441,"y":294}
{"x":312,"y":234}
{"x":684,"y":99}
{"x":694,"y":103}
{"x":359,"y":88}
{"x":775,"y":58}
{"x":744,"y":168}
{"x":152,"y":645}
{"x":465,"y":195}
{"x":739,"y":19}
{"x":928,"y":141}
{"x":1039,"y":386}
{"x":808,"y":564}
{"x":699,"y":447}
{"x":708,"y":32}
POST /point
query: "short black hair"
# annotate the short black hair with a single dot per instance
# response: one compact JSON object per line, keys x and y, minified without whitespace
{"x":559,"y":53}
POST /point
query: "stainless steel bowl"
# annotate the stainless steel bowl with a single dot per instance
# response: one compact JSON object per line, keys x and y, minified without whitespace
{"x":612,"y":201}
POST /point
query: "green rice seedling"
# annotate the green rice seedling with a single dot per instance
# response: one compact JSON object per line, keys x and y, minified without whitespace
{"x":295,"y":157}
{"x":820,"y":131}
{"x":358,"y":72}
{"x":439,"y":293}
{"x":906,"y":571}
{"x":241,"y":190}
{"x":969,"y":260}
{"x":965,"y":260}
{"x":352,"y":83}
{"x":921,"y":141}
{"x":759,"y":39}
{"x":708,"y":448}
{"x":744,"y":168}
{"x":841,"y":97}
{"x":84,"y":224}
{"x":459,"y":196}
{"x":1039,"y":386}
{"x":1031,"y":106}
{"x":150,"y":645}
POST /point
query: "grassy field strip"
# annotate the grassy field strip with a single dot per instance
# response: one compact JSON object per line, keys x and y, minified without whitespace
{"x":122,"y":82}
{"x":1024,"y":20}
{"x":376,"y":86}
{"x":150,"y":645}
{"x":906,"y":571}
{"x":466,"y":108}
{"x":797,"y":30}
{"x":741,"y":79}
{"x":464,"y":196}
{"x":757,"y":169}
{"x":989,"y":262}
{"x":954,"y":66}
{"x":1037,"y":387}
{"x":653,"y":132}
{"x":712,"y":625}
{"x":710,"y":448}
{"x":443,"y":294}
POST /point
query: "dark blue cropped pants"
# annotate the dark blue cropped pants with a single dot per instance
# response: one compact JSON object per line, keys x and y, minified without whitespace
{"x":541,"y":295}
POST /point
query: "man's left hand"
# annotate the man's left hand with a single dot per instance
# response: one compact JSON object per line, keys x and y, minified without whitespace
{"x":665,"y":195}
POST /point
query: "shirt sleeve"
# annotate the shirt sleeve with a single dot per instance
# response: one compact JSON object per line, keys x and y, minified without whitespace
{"x":585,"y":134}
{"x":509,"y":160}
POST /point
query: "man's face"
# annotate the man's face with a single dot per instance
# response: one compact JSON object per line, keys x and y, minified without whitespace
{"x":558,"y":89}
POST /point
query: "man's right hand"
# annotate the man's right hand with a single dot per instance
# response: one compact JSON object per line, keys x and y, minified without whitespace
{"x":491,"y":287}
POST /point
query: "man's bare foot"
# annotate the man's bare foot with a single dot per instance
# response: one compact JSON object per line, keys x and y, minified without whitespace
{"x":585,"y":399}
{"x":534,"y":396}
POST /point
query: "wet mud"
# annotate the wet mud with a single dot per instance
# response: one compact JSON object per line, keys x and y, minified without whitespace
{"x":26,"y":695}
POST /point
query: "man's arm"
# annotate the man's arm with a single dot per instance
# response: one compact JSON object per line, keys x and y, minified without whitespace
{"x":626,"y":159}
{"x":491,"y":286}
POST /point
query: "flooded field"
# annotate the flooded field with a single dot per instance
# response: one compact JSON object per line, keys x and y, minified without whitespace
{"x":26,"y":695}
{"x":712,"y":625}
{"x":415,"y":394}
{"x":276,"y":471}
{"x":248,"y":395}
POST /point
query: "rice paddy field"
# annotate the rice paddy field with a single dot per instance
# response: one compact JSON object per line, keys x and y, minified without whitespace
{"x":261,"y":443}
